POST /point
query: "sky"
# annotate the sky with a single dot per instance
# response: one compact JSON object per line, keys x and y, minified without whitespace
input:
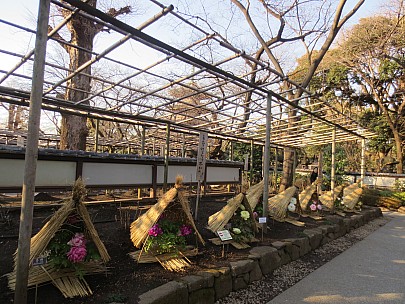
{"x":24,"y":12}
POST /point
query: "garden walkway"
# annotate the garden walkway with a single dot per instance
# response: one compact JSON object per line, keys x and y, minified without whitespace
{"x":370,"y":272}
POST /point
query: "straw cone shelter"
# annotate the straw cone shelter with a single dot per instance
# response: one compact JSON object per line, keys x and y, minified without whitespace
{"x":306,"y":195}
{"x":66,"y":280}
{"x":351,"y":195}
{"x":278,"y":204}
{"x":139,"y":229}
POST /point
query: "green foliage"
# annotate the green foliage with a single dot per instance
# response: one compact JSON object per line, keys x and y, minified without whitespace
{"x":239,"y":151}
{"x":374,"y":121}
{"x":243,"y":224}
{"x":169,"y":240}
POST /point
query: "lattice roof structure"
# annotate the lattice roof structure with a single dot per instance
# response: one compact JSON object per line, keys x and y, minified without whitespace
{"x":203,"y":86}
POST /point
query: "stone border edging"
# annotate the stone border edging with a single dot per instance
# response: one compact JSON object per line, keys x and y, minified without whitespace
{"x":208,"y":286}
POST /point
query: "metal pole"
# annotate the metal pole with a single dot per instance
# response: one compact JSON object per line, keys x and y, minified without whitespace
{"x":266,"y":160}
{"x":143,"y":140}
{"x":166,"y":171}
{"x":333,"y":166}
{"x":363,"y":161}
{"x":31,"y":156}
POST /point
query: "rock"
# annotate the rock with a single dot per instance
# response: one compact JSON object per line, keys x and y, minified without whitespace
{"x":223,"y":283}
{"x":241,"y":267}
{"x":268,"y":258}
{"x":314,"y":237}
{"x":202,"y":296}
{"x":170,"y":293}
{"x":256,"y":273}
{"x":401,"y":209}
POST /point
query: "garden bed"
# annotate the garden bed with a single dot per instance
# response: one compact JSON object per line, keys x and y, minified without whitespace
{"x":127,"y":280}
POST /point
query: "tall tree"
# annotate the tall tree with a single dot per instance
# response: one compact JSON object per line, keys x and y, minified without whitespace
{"x":315,"y":24}
{"x":82,"y":33}
{"x":374,"y":52}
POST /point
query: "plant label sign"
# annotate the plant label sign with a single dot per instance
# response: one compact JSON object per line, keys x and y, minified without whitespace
{"x":224,"y":235}
{"x":262,"y":220}
{"x":40,"y":261}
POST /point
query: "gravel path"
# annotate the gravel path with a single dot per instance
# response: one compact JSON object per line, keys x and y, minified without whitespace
{"x":286,"y":276}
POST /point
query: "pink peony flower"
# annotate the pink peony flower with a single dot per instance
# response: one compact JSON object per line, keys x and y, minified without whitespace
{"x":77,"y":254}
{"x":313,"y":207}
{"x":78,"y":240}
{"x":319,"y":207}
{"x":255,"y":214}
{"x":155,"y":230}
{"x":185,"y":230}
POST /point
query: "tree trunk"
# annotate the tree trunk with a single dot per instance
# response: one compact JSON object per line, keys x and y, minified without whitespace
{"x":398,"y":147}
{"x":288,"y":169}
{"x":74,"y":128}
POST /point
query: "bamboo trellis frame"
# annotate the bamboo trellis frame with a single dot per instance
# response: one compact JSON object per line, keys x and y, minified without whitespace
{"x":222,"y":106}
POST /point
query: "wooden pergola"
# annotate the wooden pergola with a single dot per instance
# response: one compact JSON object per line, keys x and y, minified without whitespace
{"x":202,"y":87}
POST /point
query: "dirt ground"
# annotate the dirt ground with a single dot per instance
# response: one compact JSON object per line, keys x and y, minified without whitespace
{"x":126,"y":279}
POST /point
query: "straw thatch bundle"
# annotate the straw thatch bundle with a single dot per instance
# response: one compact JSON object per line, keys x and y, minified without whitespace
{"x":218,"y":220}
{"x":177,"y":207}
{"x":64,"y":279}
{"x":229,"y":214}
{"x":254,"y":194}
{"x":306,"y":195}
{"x":140,"y":227}
{"x":278,"y":204}
{"x":327,"y":199}
{"x":351,"y":195}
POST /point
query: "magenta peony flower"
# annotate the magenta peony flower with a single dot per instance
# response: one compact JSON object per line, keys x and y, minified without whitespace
{"x":76,"y":254}
{"x":155,"y":230}
{"x":78,"y":240}
{"x":185,"y":230}
{"x":255,"y":214}
{"x":313,"y":207}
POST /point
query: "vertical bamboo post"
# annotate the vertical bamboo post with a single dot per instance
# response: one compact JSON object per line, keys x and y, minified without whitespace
{"x":333,"y":167}
{"x":143,"y":141}
{"x":266,"y":161}
{"x":363,"y":161}
{"x":96,"y":135}
{"x":251,"y":162}
{"x":31,"y":155}
{"x":166,"y":170}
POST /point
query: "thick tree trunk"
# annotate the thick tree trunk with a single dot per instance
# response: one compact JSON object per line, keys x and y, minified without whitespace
{"x":398,"y":147}
{"x":74,"y":128}
{"x":288,"y":169}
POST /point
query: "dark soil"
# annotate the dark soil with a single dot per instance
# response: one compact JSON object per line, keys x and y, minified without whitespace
{"x":127,"y":279}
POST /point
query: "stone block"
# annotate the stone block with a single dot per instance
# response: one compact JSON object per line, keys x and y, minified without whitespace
{"x":223,"y":283}
{"x":208,"y":277}
{"x":268,"y":258}
{"x":240,"y":282}
{"x":256,"y":273}
{"x":314,"y":237}
{"x":170,"y":293}
{"x":194,"y":282}
{"x":241,"y":267}
{"x":202,"y":296}
{"x":284,"y":256}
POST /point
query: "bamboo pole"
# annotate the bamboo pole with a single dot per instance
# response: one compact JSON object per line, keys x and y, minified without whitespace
{"x":266,"y":161}
{"x":31,"y":155}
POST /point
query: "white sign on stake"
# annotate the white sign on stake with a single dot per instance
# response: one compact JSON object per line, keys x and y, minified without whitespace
{"x":202,"y":148}
{"x":224,"y":235}
{"x":262,"y":220}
